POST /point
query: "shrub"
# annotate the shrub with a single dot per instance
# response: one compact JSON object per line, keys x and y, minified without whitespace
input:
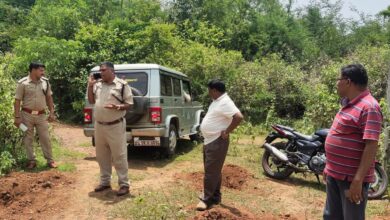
{"x":9,"y":135}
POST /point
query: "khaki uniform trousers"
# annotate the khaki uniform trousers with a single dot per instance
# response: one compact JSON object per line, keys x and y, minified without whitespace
{"x":40,"y":123}
{"x":111,"y":148}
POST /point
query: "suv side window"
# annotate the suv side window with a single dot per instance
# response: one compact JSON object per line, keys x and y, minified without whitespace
{"x":176,"y":87}
{"x":137,"y":80}
{"x":187,"y":90}
{"x":165,"y":85}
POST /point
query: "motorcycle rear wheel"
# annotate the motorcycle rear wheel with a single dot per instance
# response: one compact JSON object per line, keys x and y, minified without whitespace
{"x":270,"y":163}
{"x":378,"y":188}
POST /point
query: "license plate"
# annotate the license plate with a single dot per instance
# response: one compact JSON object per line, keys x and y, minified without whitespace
{"x":153,"y":142}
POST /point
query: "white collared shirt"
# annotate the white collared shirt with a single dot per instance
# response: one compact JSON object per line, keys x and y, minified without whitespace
{"x":218,"y":118}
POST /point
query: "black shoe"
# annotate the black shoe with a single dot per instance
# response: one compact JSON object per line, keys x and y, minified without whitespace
{"x":215,"y":201}
{"x":124,"y":190}
{"x":102,"y":188}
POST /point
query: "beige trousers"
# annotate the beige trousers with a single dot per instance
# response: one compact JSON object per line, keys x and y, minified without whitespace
{"x":111,"y":148}
{"x":40,"y":123}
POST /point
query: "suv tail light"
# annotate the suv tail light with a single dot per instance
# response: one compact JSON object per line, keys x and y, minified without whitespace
{"x":87,"y":115}
{"x":155,"y":115}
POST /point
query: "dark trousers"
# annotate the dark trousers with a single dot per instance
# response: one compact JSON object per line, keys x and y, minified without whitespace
{"x":338,"y":206}
{"x":214,"y":155}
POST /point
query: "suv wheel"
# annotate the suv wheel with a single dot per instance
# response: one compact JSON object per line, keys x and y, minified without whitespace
{"x":172,"y":141}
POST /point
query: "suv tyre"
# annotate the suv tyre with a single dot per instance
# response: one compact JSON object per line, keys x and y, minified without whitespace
{"x":172,"y":141}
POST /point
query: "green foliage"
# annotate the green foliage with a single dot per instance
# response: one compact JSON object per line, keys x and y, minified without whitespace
{"x":11,"y":20}
{"x":280,"y":66}
{"x":9,"y":136}
{"x":202,"y":32}
{"x":323,"y":106}
{"x":376,"y":62}
{"x":101,"y":43}
{"x":62,"y":59}
{"x":54,"y":19}
{"x":326,"y":29}
{"x":7,"y":162}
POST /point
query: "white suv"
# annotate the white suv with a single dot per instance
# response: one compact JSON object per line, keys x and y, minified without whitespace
{"x":163,"y":110}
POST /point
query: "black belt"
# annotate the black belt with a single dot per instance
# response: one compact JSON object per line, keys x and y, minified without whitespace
{"x":110,"y":122}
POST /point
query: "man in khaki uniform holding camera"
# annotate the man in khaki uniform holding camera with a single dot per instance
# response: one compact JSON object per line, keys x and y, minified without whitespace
{"x":112,"y":97}
{"x":33,"y":94}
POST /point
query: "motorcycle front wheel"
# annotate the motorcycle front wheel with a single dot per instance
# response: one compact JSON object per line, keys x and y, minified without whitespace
{"x":378,"y":188}
{"x":273,"y":167}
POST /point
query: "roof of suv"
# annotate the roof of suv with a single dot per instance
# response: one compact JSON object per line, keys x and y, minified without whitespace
{"x":139,"y":66}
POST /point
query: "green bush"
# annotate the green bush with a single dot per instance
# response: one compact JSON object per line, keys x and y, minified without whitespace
{"x":10,"y":136}
{"x":7,"y":162}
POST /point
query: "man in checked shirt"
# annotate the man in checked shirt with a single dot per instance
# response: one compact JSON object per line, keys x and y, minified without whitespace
{"x":351,"y":147}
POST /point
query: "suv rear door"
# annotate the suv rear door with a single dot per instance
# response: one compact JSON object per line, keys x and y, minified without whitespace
{"x":138,"y":80}
{"x":188,"y":110}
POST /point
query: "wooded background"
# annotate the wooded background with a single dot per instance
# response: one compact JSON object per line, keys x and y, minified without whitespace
{"x":280,"y":64}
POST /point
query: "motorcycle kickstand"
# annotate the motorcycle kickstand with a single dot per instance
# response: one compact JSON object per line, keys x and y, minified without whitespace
{"x":318,"y":179}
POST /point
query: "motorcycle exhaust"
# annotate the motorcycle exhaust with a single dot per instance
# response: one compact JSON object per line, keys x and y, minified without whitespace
{"x":279,"y":154}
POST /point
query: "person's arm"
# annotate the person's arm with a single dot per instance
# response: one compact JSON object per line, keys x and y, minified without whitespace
{"x":17,"y":117}
{"x":91,"y":83}
{"x":119,"y":107}
{"x":17,"y":104}
{"x":124,"y":106}
{"x":50,"y":105}
{"x":237,"y":118}
{"x":371,"y":122}
{"x":355,"y":190}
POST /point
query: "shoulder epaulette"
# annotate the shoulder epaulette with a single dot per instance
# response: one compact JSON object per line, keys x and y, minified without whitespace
{"x":22,"y":79}
{"x":122,"y":81}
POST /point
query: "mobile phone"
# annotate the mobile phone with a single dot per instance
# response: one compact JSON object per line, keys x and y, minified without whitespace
{"x":97,"y":76}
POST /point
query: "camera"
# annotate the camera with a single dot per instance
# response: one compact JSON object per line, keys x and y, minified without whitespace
{"x":97,"y":76}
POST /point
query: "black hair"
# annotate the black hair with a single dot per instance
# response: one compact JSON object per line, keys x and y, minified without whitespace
{"x":35,"y":65}
{"x":356,"y":73}
{"x":218,"y":85}
{"x":107,"y":64}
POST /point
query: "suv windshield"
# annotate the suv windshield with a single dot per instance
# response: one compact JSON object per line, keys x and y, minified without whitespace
{"x":138,"y":80}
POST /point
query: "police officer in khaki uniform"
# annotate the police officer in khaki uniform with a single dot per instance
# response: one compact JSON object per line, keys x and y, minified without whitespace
{"x":112,"y":97}
{"x":33,"y":94}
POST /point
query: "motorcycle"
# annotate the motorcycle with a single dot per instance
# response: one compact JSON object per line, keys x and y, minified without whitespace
{"x":302,"y":153}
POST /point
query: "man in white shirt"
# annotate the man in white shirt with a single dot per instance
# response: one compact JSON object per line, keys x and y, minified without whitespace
{"x":221,"y":119}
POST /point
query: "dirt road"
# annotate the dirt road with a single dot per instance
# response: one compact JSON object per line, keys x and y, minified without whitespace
{"x":51,"y":194}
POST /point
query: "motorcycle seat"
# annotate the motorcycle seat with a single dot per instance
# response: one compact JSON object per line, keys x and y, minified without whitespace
{"x":305,"y":137}
{"x":322,"y":132}
{"x":285,"y":128}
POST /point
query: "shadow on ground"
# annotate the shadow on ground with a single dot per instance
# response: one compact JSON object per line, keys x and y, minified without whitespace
{"x":302,"y":182}
{"x":143,"y":157}
{"x":109,"y":197}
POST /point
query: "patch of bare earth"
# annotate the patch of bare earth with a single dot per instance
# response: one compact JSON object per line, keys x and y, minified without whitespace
{"x":58,"y":195}
{"x":233,"y":177}
{"x":83,"y":203}
{"x":33,"y":195}
{"x":228,"y":213}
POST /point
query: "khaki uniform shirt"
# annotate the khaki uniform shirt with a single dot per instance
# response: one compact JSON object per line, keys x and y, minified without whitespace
{"x":33,"y":94}
{"x":105,"y":94}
